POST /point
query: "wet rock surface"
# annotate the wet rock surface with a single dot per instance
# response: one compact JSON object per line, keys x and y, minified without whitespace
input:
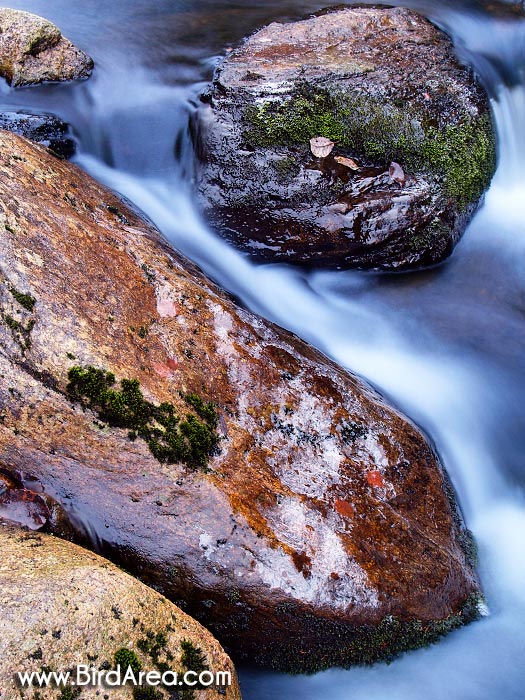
{"x":42,"y":128}
{"x":316,"y":527}
{"x":385,"y":86}
{"x":61,"y":606}
{"x":33,"y":50}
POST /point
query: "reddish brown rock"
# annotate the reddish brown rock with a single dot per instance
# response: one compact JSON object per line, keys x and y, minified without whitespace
{"x":414,"y":145}
{"x":33,"y":50}
{"x":322,"y":532}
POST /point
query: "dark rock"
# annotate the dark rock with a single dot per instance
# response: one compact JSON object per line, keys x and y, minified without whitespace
{"x":22,"y":506}
{"x":41,"y":128}
{"x":384,"y":85}
{"x":318,"y":529}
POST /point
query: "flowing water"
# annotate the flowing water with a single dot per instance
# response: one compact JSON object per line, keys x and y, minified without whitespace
{"x":446,"y":345}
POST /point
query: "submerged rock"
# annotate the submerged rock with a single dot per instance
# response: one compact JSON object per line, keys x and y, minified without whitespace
{"x":33,"y":50}
{"x":244,"y":475}
{"x":46,"y":129}
{"x":61,"y":606}
{"x":385,"y":86}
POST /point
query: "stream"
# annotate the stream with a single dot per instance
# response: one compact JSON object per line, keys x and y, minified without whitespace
{"x":446,"y":345}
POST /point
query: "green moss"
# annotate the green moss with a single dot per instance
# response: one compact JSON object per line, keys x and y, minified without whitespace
{"x":146,"y":692}
{"x":463,"y":154}
{"x":366,"y":644}
{"x":430,"y":237}
{"x":25,"y":300}
{"x":170,"y":437}
{"x":21,"y":334}
{"x":126,"y":658}
{"x":193,"y":657}
{"x":205,"y":410}
{"x":469,"y":546}
{"x":69,"y":693}
{"x":360,"y":123}
{"x":154,"y":645}
{"x":12,"y":323}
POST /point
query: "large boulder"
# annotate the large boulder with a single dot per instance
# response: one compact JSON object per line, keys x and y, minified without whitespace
{"x":33,"y":50}
{"x":62,"y":607}
{"x":414,"y":144}
{"x":296,"y":513}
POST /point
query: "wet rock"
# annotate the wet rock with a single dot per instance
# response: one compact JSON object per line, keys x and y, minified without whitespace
{"x":42,"y":128}
{"x":61,"y":606}
{"x":33,"y":50}
{"x":385,"y":86}
{"x":22,"y":506}
{"x":244,"y":475}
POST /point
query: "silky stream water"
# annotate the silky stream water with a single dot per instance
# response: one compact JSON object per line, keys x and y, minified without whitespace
{"x":446,"y":345}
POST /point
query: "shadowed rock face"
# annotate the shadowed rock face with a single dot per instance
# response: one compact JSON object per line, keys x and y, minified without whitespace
{"x":384,"y":85}
{"x":61,"y":606}
{"x":33,"y":50}
{"x":42,"y":128}
{"x":324,"y":511}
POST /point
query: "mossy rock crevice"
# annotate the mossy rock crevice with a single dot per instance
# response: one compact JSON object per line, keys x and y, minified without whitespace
{"x":171,"y":438}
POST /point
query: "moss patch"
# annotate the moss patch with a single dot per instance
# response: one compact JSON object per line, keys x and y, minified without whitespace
{"x":146,"y":692}
{"x":365,"y":645}
{"x":25,"y":300}
{"x":170,"y":438}
{"x":21,"y":333}
{"x":154,"y":645}
{"x":126,"y":658}
{"x":193,"y":657}
{"x":464,"y":154}
{"x":69,"y":693}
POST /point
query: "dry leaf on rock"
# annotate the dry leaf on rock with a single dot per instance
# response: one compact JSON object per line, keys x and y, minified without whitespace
{"x":321,"y":146}
{"x":347,"y":162}
{"x":396,"y":172}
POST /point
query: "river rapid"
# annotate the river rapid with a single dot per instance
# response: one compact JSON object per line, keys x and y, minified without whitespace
{"x":446,"y":345}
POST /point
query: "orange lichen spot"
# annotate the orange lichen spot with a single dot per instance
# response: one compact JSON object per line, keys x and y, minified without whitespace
{"x":166,"y":369}
{"x":172,"y":363}
{"x":162,"y":370}
{"x":344,"y":508}
{"x":374,"y":478}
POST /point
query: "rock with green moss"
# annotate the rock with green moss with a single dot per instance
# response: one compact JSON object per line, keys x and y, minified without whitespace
{"x":414,"y":144}
{"x":61,"y":607}
{"x":33,"y":50}
{"x":220,"y":458}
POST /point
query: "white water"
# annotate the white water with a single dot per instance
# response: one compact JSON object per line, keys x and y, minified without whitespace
{"x":446,"y":345}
